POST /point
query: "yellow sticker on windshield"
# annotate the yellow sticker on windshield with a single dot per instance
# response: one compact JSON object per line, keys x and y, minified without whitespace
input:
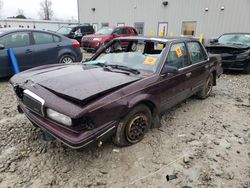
{"x":178,"y":52}
{"x":150,"y":61}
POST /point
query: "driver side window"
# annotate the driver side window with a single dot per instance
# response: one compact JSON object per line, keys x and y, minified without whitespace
{"x":177,"y":56}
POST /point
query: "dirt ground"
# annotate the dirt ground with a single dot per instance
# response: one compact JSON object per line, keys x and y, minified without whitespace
{"x":205,"y":143}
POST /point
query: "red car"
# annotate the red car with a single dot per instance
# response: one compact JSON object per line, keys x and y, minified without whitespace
{"x":105,"y":35}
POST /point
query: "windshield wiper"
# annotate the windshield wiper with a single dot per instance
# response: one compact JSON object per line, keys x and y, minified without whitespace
{"x":106,"y":68}
{"x":96,"y":64}
{"x":125,"y":68}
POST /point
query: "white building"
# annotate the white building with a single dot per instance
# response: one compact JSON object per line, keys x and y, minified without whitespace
{"x":33,"y":24}
{"x":209,"y":18}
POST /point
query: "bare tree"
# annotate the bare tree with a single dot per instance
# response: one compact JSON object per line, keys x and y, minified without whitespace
{"x":20,"y":12}
{"x":46,"y":11}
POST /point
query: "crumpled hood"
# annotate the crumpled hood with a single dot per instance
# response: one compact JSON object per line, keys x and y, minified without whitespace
{"x":76,"y":81}
{"x":230,"y":49}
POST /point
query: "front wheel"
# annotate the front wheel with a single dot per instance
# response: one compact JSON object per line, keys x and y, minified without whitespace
{"x":207,"y":88}
{"x":133,"y":127}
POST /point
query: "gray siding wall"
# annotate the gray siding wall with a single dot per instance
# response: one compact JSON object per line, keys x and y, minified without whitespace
{"x":212,"y":23}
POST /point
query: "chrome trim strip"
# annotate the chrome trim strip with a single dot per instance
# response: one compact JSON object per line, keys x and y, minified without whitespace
{"x":105,"y":132}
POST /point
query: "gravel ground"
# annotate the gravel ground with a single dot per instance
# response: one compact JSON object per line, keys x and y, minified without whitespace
{"x":205,"y":143}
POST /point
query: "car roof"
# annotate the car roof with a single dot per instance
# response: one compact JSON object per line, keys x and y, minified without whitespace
{"x":159,"y":39}
{"x":11,"y":30}
{"x":72,"y":26}
{"x":236,"y":33}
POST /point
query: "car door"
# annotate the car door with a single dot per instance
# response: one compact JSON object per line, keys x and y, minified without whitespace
{"x":174,"y":86}
{"x":199,"y":70}
{"x":23,"y":50}
{"x":46,"y":47}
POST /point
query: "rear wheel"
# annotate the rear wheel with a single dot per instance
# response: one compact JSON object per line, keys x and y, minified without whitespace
{"x":66,"y":59}
{"x":133,"y":127}
{"x":207,"y":88}
{"x":108,"y":50}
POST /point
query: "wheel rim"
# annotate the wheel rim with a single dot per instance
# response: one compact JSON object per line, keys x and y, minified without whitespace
{"x":67,"y":60}
{"x":108,"y":50}
{"x":134,"y":47}
{"x":137,"y":127}
{"x":209,"y":86}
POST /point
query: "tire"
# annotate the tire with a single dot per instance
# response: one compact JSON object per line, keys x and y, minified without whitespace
{"x":67,"y":59}
{"x":207,"y":88}
{"x":133,"y":126}
{"x":247,"y":71}
{"x":108,"y":50}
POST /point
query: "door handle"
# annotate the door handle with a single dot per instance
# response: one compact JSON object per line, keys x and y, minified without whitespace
{"x":28,"y":51}
{"x":188,"y":74}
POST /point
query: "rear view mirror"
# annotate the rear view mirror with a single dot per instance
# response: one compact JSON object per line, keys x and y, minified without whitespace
{"x":2,"y":47}
{"x":169,"y":69}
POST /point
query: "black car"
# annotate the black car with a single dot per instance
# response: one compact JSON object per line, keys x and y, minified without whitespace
{"x":33,"y":48}
{"x":234,"y":49}
{"x":76,"y":32}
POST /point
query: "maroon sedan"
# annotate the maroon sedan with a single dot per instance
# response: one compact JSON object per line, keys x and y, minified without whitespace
{"x":118,"y":94}
{"x":106,"y":34}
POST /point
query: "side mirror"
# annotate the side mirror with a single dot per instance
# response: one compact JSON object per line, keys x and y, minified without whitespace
{"x":214,"y":40}
{"x":169,"y":69}
{"x":2,"y":47}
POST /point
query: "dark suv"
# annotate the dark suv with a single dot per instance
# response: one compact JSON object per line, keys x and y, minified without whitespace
{"x":104,"y":35}
{"x":76,"y":32}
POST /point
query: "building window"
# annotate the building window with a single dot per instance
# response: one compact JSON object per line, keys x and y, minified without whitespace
{"x":188,"y":28}
{"x":105,"y":24}
{"x":139,"y":26}
{"x":120,"y":24}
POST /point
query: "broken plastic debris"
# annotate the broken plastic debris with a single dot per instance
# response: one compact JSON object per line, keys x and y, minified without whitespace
{"x":171,"y":177}
{"x":116,"y":150}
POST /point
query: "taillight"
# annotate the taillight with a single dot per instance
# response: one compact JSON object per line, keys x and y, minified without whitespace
{"x":76,"y":44}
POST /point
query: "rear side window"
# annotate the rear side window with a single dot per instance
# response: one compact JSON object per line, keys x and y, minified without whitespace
{"x":177,"y":56}
{"x":196,"y":52}
{"x":134,"y":31}
{"x":43,"y":38}
{"x":87,"y":29}
{"x":56,"y":38}
{"x":15,"y":40}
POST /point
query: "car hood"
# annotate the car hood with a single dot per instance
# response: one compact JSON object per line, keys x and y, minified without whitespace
{"x":75,"y":81}
{"x":96,"y":36}
{"x":231,"y":49}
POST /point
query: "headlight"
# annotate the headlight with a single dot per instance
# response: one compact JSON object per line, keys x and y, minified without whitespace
{"x":58,"y":117}
{"x":244,"y":55}
{"x":97,"y":39}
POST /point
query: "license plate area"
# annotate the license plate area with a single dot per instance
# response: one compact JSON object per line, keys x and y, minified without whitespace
{"x":33,"y":102}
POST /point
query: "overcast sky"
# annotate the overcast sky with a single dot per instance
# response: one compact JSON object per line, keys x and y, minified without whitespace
{"x":63,"y":9}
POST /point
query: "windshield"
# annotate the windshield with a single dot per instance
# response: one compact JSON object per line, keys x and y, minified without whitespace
{"x":64,"y":30}
{"x":105,"y":31}
{"x":239,"y":39}
{"x":139,"y":56}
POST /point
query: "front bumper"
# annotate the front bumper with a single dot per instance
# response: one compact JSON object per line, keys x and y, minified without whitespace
{"x":91,"y":45}
{"x":70,"y":138}
{"x":237,"y":64}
